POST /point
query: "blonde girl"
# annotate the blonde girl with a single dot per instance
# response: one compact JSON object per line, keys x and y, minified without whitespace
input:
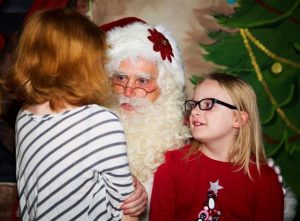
{"x":223,"y":174}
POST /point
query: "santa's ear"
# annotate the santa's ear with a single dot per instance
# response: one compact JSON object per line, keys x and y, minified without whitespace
{"x":241,"y":120}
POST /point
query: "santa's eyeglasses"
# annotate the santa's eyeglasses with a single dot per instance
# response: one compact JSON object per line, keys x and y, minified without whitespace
{"x":206,"y":104}
{"x":141,"y":85}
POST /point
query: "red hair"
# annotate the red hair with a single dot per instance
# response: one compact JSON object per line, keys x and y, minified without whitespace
{"x":60,"y":58}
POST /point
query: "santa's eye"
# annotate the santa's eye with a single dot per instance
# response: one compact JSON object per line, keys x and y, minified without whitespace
{"x":119,"y":79}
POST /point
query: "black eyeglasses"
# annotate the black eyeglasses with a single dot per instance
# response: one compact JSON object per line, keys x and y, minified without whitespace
{"x":205,"y":104}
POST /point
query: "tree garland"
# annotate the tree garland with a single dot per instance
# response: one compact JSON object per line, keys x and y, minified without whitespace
{"x":246,"y":35}
{"x":267,"y":51}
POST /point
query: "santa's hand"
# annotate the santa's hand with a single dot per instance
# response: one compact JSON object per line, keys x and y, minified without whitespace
{"x":135,"y":204}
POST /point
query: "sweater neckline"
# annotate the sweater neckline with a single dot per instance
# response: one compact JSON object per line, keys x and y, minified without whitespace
{"x":52,"y":115}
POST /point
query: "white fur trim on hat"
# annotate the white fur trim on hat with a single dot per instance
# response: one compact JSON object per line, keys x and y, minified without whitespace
{"x":131,"y":41}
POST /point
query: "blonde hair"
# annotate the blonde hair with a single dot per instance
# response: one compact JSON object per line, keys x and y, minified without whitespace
{"x":248,"y":143}
{"x":60,"y":58}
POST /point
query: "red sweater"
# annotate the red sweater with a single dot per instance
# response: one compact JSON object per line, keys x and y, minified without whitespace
{"x":181,"y":191}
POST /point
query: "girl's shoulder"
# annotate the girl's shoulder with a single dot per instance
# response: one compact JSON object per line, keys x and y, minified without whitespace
{"x":178,"y":153}
{"x":181,"y":154}
{"x":265,"y":174}
{"x":267,"y":184}
{"x":102,"y":110}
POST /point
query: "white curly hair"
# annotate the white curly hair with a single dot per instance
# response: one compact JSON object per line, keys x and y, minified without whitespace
{"x":155,"y":128}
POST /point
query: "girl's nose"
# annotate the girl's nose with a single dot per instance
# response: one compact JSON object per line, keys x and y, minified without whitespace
{"x":195,"y":111}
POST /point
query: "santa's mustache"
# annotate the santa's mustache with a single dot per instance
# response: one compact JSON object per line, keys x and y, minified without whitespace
{"x":135,"y":102}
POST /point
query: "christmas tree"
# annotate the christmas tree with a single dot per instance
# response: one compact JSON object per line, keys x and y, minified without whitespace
{"x":262,"y":46}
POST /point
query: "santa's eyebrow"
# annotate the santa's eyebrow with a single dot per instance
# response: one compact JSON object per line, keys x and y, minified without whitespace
{"x":144,"y":75}
{"x":119,"y":73}
{"x":138,"y":75}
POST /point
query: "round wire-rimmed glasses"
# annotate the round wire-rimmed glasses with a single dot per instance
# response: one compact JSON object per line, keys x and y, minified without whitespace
{"x":137,"y":91}
{"x":142,"y":85}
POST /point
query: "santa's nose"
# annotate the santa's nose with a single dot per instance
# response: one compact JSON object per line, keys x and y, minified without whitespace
{"x":128,"y":92}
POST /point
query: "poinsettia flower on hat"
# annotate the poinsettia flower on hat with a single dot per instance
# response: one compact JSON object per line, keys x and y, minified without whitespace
{"x":161,"y":44}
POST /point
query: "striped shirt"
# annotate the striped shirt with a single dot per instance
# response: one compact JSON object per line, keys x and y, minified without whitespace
{"x":72,"y":165}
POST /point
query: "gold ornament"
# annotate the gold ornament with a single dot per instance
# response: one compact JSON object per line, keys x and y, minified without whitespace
{"x":245,"y":36}
{"x":276,"y":68}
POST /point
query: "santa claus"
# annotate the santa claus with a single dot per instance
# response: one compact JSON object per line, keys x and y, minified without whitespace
{"x":147,"y":76}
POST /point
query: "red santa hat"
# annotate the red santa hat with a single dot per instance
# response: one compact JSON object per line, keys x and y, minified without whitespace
{"x":132,"y":38}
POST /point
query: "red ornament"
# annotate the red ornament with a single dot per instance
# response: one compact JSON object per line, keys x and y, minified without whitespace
{"x":2,"y":41}
{"x":161,"y":44}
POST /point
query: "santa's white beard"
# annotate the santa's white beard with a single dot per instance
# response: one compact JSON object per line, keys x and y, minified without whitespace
{"x":151,"y":130}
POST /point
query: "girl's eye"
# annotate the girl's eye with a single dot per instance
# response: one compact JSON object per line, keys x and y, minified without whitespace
{"x":206,"y":104}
